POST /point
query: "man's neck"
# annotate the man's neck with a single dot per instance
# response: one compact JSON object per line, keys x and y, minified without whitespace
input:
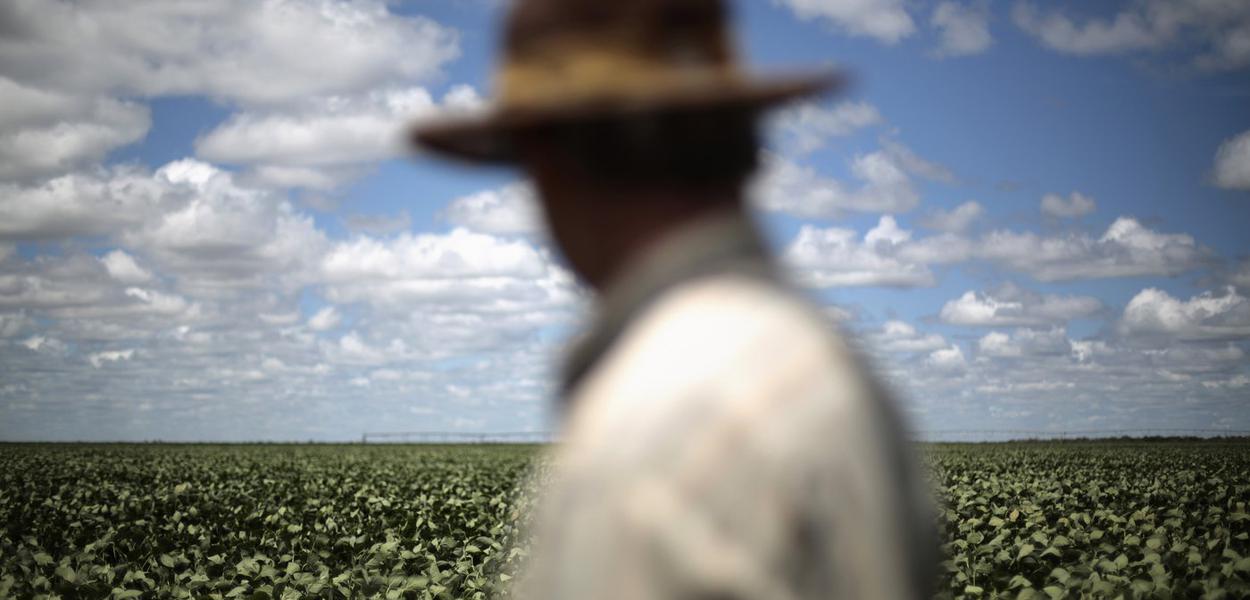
{"x":631,"y":230}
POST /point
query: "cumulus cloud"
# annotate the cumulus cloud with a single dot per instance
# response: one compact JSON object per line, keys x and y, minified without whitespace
{"x":98,"y":202}
{"x":808,"y":126}
{"x":98,"y":359}
{"x":964,"y":29}
{"x":913,"y":163}
{"x":950,"y":358}
{"x":1025,"y":342}
{"x":325,"y":319}
{"x":1013,"y":305}
{"x":1232,"y":162}
{"x":310,"y":143}
{"x":255,"y":53}
{"x":226,"y":236}
{"x":902,"y":337}
{"x":884,"y":20}
{"x":45,"y":133}
{"x":459,"y":269}
{"x":800,"y":190}
{"x":837,"y":257}
{"x":1126,"y":249}
{"x":888,"y":255}
{"x":1206,"y":316}
{"x":509,"y":210}
{"x":956,"y":220}
{"x":1075,"y":205}
{"x":1220,"y":29}
{"x":122,"y":267}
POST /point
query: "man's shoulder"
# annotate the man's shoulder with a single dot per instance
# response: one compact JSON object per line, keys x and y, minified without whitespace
{"x":732,"y":338}
{"x":721,"y":318}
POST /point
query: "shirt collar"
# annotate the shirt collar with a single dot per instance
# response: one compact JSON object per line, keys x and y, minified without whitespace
{"x":723,"y":243}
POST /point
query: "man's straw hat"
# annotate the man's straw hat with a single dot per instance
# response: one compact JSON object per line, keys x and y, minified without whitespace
{"x":571,"y":60}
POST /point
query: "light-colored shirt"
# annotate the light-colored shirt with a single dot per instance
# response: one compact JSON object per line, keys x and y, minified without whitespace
{"x":723,"y":442}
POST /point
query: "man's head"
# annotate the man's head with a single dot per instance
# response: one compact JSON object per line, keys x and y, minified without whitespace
{"x":631,"y":116}
{"x":611,"y":185}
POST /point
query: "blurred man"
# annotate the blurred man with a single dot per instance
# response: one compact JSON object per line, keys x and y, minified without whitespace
{"x":720,"y":440}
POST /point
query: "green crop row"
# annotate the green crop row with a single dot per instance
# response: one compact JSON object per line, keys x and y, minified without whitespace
{"x":1102,"y":520}
{"x":243,"y":522}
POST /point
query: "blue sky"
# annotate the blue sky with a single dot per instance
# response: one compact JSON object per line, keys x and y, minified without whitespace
{"x":1029,"y":215}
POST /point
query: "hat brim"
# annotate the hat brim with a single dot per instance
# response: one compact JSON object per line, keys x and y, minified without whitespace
{"x":488,"y":138}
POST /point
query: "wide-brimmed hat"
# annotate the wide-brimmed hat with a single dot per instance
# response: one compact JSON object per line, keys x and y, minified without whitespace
{"x":571,"y":60}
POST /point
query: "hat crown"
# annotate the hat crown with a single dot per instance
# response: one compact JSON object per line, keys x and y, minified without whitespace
{"x":675,"y":31}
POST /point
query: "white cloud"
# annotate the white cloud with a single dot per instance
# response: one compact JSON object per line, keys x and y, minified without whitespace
{"x":835,"y":257}
{"x":1236,"y":383}
{"x":956,"y":220}
{"x":309,"y":142}
{"x":509,"y":210}
{"x":1126,"y":249}
{"x":239,"y":51}
{"x":190,"y":219}
{"x":1012,"y":305}
{"x":900,"y":336}
{"x":1025,"y":342}
{"x":886,"y":183}
{"x":913,"y":163}
{"x":99,"y":358}
{"x":1206,"y":316}
{"x":1127,"y":31}
{"x":325,"y":319}
{"x":943,"y":249}
{"x":40,"y":343}
{"x":49,"y":133}
{"x":81,"y":287}
{"x":799,"y":190}
{"x":965,"y":28}
{"x":891,"y":256}
{"x":99,"y":202}
{"x":1220,"y":29}
{"x":951,"y":358}
{"x":122,"y":267}
{"x":808,"y":126}
{"x":226,"y":236}
{"x":884,"y":20}
{"x":1075,"y":205}
{"x":1232,"y":162}
{"x":886,"y":232}
{"x":997,"y":344}
{"x":457,"y":270}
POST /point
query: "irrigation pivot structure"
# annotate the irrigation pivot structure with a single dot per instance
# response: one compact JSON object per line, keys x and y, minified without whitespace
{"x":459,"y":437}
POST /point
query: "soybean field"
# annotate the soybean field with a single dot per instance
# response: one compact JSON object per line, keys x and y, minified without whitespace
{"x":1022,"y":520}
